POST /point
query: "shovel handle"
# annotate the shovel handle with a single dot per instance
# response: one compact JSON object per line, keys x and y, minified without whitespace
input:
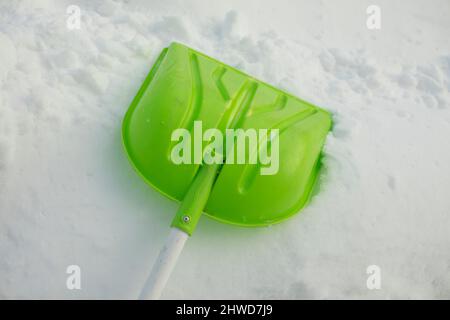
{"x":183,"y":225}
{"x":164,"y":265}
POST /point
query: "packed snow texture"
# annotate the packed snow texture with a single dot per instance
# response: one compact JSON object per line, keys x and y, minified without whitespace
{"x":68,"y":195}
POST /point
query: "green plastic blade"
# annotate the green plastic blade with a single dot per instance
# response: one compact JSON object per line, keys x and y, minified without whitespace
{"x":184,"y":86}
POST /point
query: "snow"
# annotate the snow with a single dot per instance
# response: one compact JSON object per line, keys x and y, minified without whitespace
{"x":69,"y":196}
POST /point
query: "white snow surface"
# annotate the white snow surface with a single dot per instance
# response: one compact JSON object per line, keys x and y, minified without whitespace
{"x":69,"y":196}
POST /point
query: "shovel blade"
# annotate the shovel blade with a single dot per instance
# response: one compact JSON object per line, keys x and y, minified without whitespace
{"x":185,"y":86}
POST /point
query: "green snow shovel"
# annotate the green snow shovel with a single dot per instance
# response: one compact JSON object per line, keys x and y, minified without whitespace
{"x":185,"y":89}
